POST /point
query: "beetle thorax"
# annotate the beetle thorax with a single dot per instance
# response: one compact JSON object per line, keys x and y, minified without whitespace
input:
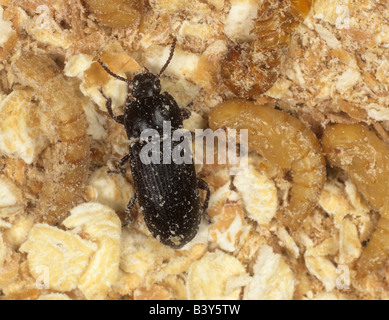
{"x":145,"y":85}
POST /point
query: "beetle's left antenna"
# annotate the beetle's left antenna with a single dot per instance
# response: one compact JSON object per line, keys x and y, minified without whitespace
{"x":170,"y":57}
{"x":113,"y":74}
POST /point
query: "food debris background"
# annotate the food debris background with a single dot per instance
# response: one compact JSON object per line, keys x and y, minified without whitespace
{"x":322,"y":62}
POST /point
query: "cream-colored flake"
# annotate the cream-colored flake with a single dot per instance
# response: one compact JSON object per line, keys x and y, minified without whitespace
{"x":218,"y":199}
{"x":350,"y":247}
{"x":326,"y":10}
{"x":196,"y":121}
{"x":259,"y":195}
{"x":11,"y":202}
{"x":208,"y":68}
{"x":94,"y":77}
{"x":237,"y":282}
{"x":141,"y":254}
{"x":351,"y":219}
{"x":2,"y":96}
{"x":280,"y":89}
{"x":21,"y":19}
{"x":327,"y":247}
{"x":298,"y":75}
{"x":4,"y":224}
{"x":10,"y":194}
{"x":343,"y":20}
{"x":319,"y":265}
{"x":95,"y":219}
{"x":355,"y":198}
{"x":208,"y":277}
{"x":335,"y":202}
{"x":10,"y":268}
{"x":76,"y":65}
{"x":182,"y":66}
{"x":182,"y":263}
{"x":273,"y":279}
{"x":103,"y":225}
{"x":240,"y":20}
{"x":176,"y":286}
{"x":328,"y":36}
{"x":197,"y":30}
{"x":111,"y":190}
{"x":323,"y":269}
{"x":183,"y":91}
{"x":102,"y":270}
{"x":249,"y":246}
{"x":57,"y":258}
{"x":115,"y":89}
{"x":348,"y":80}
{"x":93,"y":93}
{"x":5,"y":29}
{"x":340,"y":201}
{"x":226,"y":213}
{"x":20,"y":130}
{"x":18,"y":232}
{"x":382,"y":37}
{"x":155,"y":292}
{"x":126,"y":283}
{"x":3,"y":251}
{"x":228,"y":223}
{"x":96,"y":121}
{"x":288,"y":242}
{"x":377,"y":112}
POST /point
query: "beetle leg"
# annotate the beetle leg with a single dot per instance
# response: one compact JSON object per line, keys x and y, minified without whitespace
{"x":186,"y":113}
{"x":120,"y":165}
{"x":204,"y":186}
{"x":108,"y":105}
{"x":130,"y":205}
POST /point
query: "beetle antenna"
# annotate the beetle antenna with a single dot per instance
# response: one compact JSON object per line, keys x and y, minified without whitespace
{"x":170,"y":57}
{"x":111,"y":73}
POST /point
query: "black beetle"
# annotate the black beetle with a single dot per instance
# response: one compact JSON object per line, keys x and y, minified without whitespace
{"x":168,"y":194}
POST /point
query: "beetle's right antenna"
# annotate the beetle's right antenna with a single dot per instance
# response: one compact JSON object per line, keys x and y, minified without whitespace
{"x":170,"y":57}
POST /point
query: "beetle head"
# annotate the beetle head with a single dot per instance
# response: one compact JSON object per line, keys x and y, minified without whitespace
{"x":145,"y":85}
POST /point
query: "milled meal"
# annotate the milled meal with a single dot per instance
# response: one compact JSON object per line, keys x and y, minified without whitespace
{"x":205,"y":149}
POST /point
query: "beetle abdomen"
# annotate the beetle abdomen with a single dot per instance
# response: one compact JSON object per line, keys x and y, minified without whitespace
{"x":170,"y":204}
